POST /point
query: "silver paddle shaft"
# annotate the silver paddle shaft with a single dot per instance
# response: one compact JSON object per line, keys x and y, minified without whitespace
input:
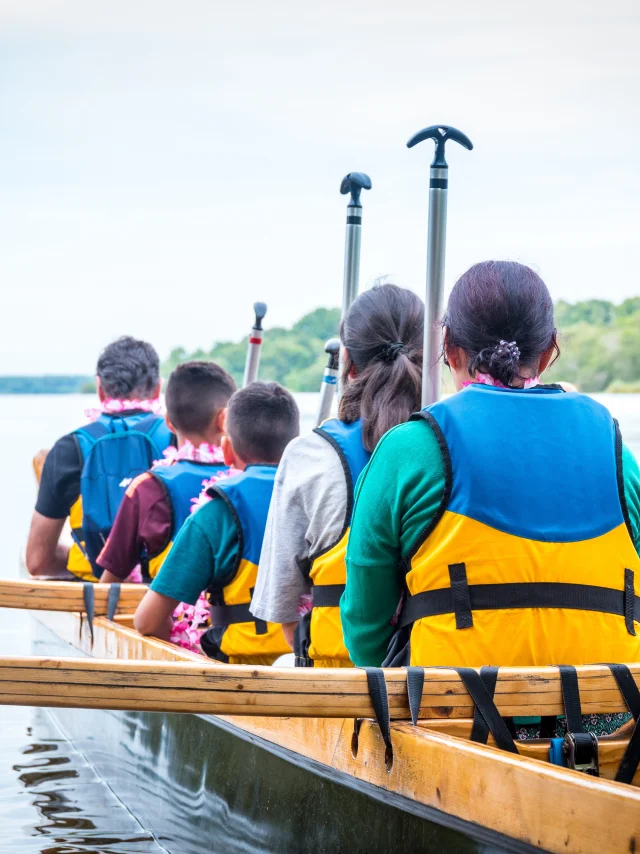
{"x":253,"y":357}
{"x":351,"y":280}
{"x":352,"y":256}
{"x":434,"y":301}
{"x":329,"y":381}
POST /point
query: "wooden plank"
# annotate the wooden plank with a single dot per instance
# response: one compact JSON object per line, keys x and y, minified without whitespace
{"x":213,"y":688}
{"x":66,"y":596}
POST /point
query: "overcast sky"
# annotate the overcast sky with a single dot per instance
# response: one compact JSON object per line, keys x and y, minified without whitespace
{"x":163,"y":165}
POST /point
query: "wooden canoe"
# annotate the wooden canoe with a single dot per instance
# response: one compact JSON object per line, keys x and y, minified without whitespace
{"x":241,"y":783}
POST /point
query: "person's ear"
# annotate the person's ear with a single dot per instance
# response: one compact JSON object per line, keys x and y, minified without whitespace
{"x":546,"y":358}
{"x":220,"y":422}
{"x":101,"y":395}
{"x":155,"y":394}
{"x":452,"y":354}
{"x":352,"y":373}
{"x":227,"y":452}
{"x":169,"y":424}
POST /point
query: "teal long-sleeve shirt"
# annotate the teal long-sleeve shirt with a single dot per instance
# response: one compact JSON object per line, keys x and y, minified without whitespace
{"x":397,"y":497}
{"x":204,"y":553}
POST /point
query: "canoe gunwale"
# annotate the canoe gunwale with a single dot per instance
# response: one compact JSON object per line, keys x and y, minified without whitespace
{"x":524,"y":813}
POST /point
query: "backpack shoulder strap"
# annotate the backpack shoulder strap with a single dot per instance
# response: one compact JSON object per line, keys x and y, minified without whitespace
{"x":155,"y":428}
{"x":87,"y":435}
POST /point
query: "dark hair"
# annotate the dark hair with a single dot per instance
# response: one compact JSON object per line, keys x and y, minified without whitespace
{"x":128,"y":369}
{"x":261,"y":421}
{"x":196,"y":391}
{"x":501,"y":314}
{"x":383,"y":334}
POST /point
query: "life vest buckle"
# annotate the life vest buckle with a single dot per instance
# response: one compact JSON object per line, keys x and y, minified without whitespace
{"x":581,"y":752}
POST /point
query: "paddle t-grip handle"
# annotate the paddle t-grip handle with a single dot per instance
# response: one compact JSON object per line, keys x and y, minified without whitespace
{"x":354,"y":183}
{"x":332,"y":349}
{"x":260,"y":309}
{"x":440,"y":134}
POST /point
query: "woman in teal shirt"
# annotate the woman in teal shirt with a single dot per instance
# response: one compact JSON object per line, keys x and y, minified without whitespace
{"x":505,"y":467}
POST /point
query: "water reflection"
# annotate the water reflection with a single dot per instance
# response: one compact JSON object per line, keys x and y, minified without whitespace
{"x":53,"y":802}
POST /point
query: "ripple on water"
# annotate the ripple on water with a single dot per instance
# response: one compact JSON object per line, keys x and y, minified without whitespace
{"x":52,"y":801}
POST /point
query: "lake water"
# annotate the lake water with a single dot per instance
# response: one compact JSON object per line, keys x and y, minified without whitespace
{"x":51,"y":800}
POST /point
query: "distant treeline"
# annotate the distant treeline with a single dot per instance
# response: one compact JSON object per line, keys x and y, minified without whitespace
{"x":600,"y":344}
{"x":63,"y":384}
{"x":293,"y":357}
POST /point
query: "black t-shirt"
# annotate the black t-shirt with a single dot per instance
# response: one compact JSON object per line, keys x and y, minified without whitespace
{"x":60,"y":481}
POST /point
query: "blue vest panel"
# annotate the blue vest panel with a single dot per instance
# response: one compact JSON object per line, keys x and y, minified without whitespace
{"x":347,"y":439}
{"x":573,"y":498}
{"x":183,"y":481}
{"x":249,"y":494}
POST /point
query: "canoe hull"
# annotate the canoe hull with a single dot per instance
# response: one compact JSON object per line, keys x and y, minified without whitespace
{"x":203,"y":783}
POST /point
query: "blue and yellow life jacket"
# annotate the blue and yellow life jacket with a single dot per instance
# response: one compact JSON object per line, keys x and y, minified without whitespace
{"x":114,"y":449}
{"x":319,"y":641}
{"x":530,"y":560}
{"x":237,"y":637}
{"x":182,"y":481}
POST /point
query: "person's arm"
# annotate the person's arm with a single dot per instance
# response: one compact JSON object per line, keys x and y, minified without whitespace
{"x":154,"y":615}
{"x":59,"y":489}
{"x":306,"y":515}
{"x":45,"y":556}
{"x":631,"y":479}
{"x":142,"y":525}
{"x":206,"y":546}
{"x":397,"y":496}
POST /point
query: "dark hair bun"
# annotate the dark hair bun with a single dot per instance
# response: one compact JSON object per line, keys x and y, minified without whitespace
{"x":501,"y":314}
{"x":502,"y":362}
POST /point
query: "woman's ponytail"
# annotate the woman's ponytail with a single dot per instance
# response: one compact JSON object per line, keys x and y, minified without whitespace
{"x":383,"y":336}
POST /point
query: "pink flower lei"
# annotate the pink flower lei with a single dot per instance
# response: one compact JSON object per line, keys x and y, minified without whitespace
{"x":487,"y":379}
{"x":190,"y":622}
{"x":204,"y":453}
{"x":113,"y":406}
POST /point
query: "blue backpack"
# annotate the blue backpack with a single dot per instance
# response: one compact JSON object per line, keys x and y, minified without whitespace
{"x":115,"y":449}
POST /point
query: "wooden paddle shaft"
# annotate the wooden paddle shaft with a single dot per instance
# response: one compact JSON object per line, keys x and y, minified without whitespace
{"x":66,"y":596}
{"x":209,"y":688}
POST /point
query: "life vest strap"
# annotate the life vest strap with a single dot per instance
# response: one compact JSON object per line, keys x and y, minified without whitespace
{"x":538,"y":594}
{"x":327,"y":595}
{"x":228,"y":615}
{"x":629,"y":690}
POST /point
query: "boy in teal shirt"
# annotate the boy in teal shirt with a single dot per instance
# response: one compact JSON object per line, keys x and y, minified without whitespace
{"x":218,"y":547}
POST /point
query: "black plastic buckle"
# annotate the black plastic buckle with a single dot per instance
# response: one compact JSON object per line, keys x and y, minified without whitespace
{"x":581,"y":752}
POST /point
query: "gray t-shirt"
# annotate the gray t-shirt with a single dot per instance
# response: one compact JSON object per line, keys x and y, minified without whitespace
{"x":306,"y":516}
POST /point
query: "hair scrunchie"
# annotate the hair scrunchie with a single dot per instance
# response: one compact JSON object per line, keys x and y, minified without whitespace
{"x":390,"y":352}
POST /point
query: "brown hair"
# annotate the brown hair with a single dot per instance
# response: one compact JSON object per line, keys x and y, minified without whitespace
{"x":383,"y":335}
{"x":262,"y":419}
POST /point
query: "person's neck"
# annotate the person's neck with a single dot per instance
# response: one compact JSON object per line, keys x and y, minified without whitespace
{"x":212,"y":439}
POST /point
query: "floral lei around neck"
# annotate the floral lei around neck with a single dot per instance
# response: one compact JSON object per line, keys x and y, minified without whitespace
{"x":203,"y":453}
{"x":190,"y":622}
{"x":113,"y":406}
{"x":487,"y":379}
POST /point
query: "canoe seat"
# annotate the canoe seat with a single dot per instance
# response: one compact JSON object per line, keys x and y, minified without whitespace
{"x":494,"y":696}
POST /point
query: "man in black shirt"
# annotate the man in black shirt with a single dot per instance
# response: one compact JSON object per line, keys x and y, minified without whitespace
{"x":128,"y":372}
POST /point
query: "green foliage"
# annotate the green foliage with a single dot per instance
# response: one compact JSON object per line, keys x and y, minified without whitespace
{"x":600,"y":345}
{"x":293,"y":357}
{"x":621,"y":387}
